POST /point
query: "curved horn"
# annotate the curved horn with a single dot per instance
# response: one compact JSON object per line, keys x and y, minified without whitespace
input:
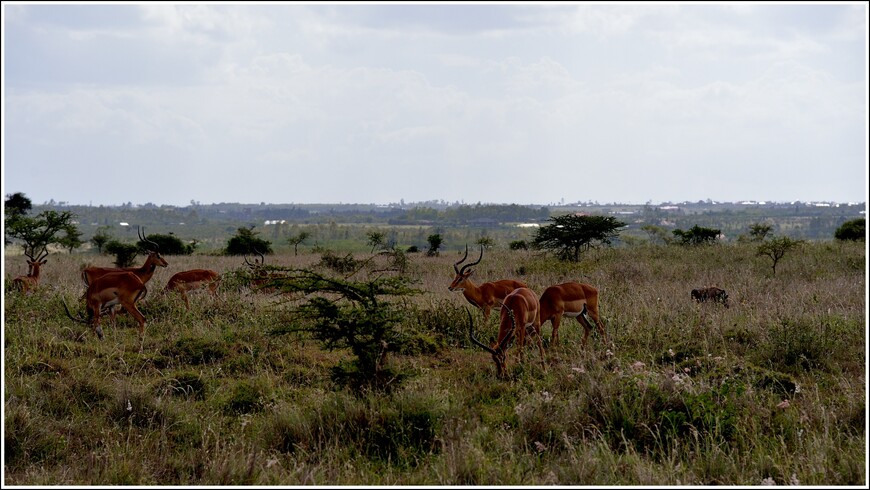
{"x":461,"y":261}
{"x":141,"y":232}
{"x":42,"y":255}
{"x":466,"y":266}
{"x":79,"y":319}
{"x":474,"y":339}
{"x":256,"y":264}
{"x":30,"y":261}
{"x":31,"y":254}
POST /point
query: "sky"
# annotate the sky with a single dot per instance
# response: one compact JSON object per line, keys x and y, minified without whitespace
{"x":525,"y":103}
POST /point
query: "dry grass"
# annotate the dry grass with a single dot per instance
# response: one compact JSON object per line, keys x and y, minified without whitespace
{"x":687,"y":394}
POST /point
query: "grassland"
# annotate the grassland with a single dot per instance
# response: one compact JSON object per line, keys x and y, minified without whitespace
{"x":770,"y":390}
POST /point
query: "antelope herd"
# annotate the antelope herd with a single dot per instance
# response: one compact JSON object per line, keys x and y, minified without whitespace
{"x":521,"y":311}
{"x":109,"y":288}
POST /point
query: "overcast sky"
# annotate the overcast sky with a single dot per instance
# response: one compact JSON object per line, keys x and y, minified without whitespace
{"x":513,"y":103}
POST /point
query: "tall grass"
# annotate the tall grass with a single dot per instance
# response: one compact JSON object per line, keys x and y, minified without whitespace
{"x":770,"y":390}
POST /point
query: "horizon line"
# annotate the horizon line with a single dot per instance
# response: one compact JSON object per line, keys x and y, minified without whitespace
{"x":403,"y":203}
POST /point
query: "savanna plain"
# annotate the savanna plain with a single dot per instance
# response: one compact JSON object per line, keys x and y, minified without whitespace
{"x":771,"y":390}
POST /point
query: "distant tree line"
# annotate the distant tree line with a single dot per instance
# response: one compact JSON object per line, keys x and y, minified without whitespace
{"x":457,"y":224}
{"x":481,"y":214}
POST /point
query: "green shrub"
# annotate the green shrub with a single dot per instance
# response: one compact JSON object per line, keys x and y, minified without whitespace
{"x":187,"y":384}
{"x":797,"y":346}
{"x":697,"y":235}
{"x":170,"y":245}
{"x":402,"y":430}
{"x":124,"y":253}
{"x":28,"y":440}
{"x":245,"y":397}
{"x":646,"y":418}
{"x":341,"y":265}
{"x":362,"y":319}
{"x":444,"y":319}
{"x":518,"y":245}
{"x":399,"y":429}
{"x":854,"y":230}
{"x":196,"y":351}
{"x":246,"y":242}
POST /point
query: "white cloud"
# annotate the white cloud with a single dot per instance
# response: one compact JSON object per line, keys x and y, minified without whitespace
{"x":335,"y":104}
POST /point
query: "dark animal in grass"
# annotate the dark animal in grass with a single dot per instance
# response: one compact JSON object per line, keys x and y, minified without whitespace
{"x":712,"y":293}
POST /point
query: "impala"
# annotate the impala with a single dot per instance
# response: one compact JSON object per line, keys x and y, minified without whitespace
{"x":257,"y":263}
{"x":191,"y":280}
{"x":29,"y":282}
{"x":144,"y":273}
{"x":520,"y":311}
{"x":488,"y":295}
{"x":261,"y":277}
{"x":574,"y":300}
{"x":115,"y":288}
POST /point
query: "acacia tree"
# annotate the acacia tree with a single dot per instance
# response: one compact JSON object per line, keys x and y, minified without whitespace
{"x":17,"y":203}
{"x":570,"y":235}
{"x":759,"y":231}
{"x":296,"y":240}
{"x":776,"y":248}
{"x":36,"y":233}
{"x":485,"y":242}
{"x":348,"y":314}
{"x":697,"y":235}
{"x":101,"y":238}
{"x":376,"y":239}
{"x":72,"y":240}
{"x":657,"y":234}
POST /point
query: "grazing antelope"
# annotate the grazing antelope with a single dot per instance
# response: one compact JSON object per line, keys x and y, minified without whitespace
{"x":28,"y":283}
{"x":518,"y":313}
{"x":261,"y":276}
{"x":488,"y":295}
{"x":191,"y":280}
{"x":144,"y":273}
{"x":257,"y":265}
{"x":115,"y":288}
{"x":574,"y":300}
{"x":711,"y":293}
